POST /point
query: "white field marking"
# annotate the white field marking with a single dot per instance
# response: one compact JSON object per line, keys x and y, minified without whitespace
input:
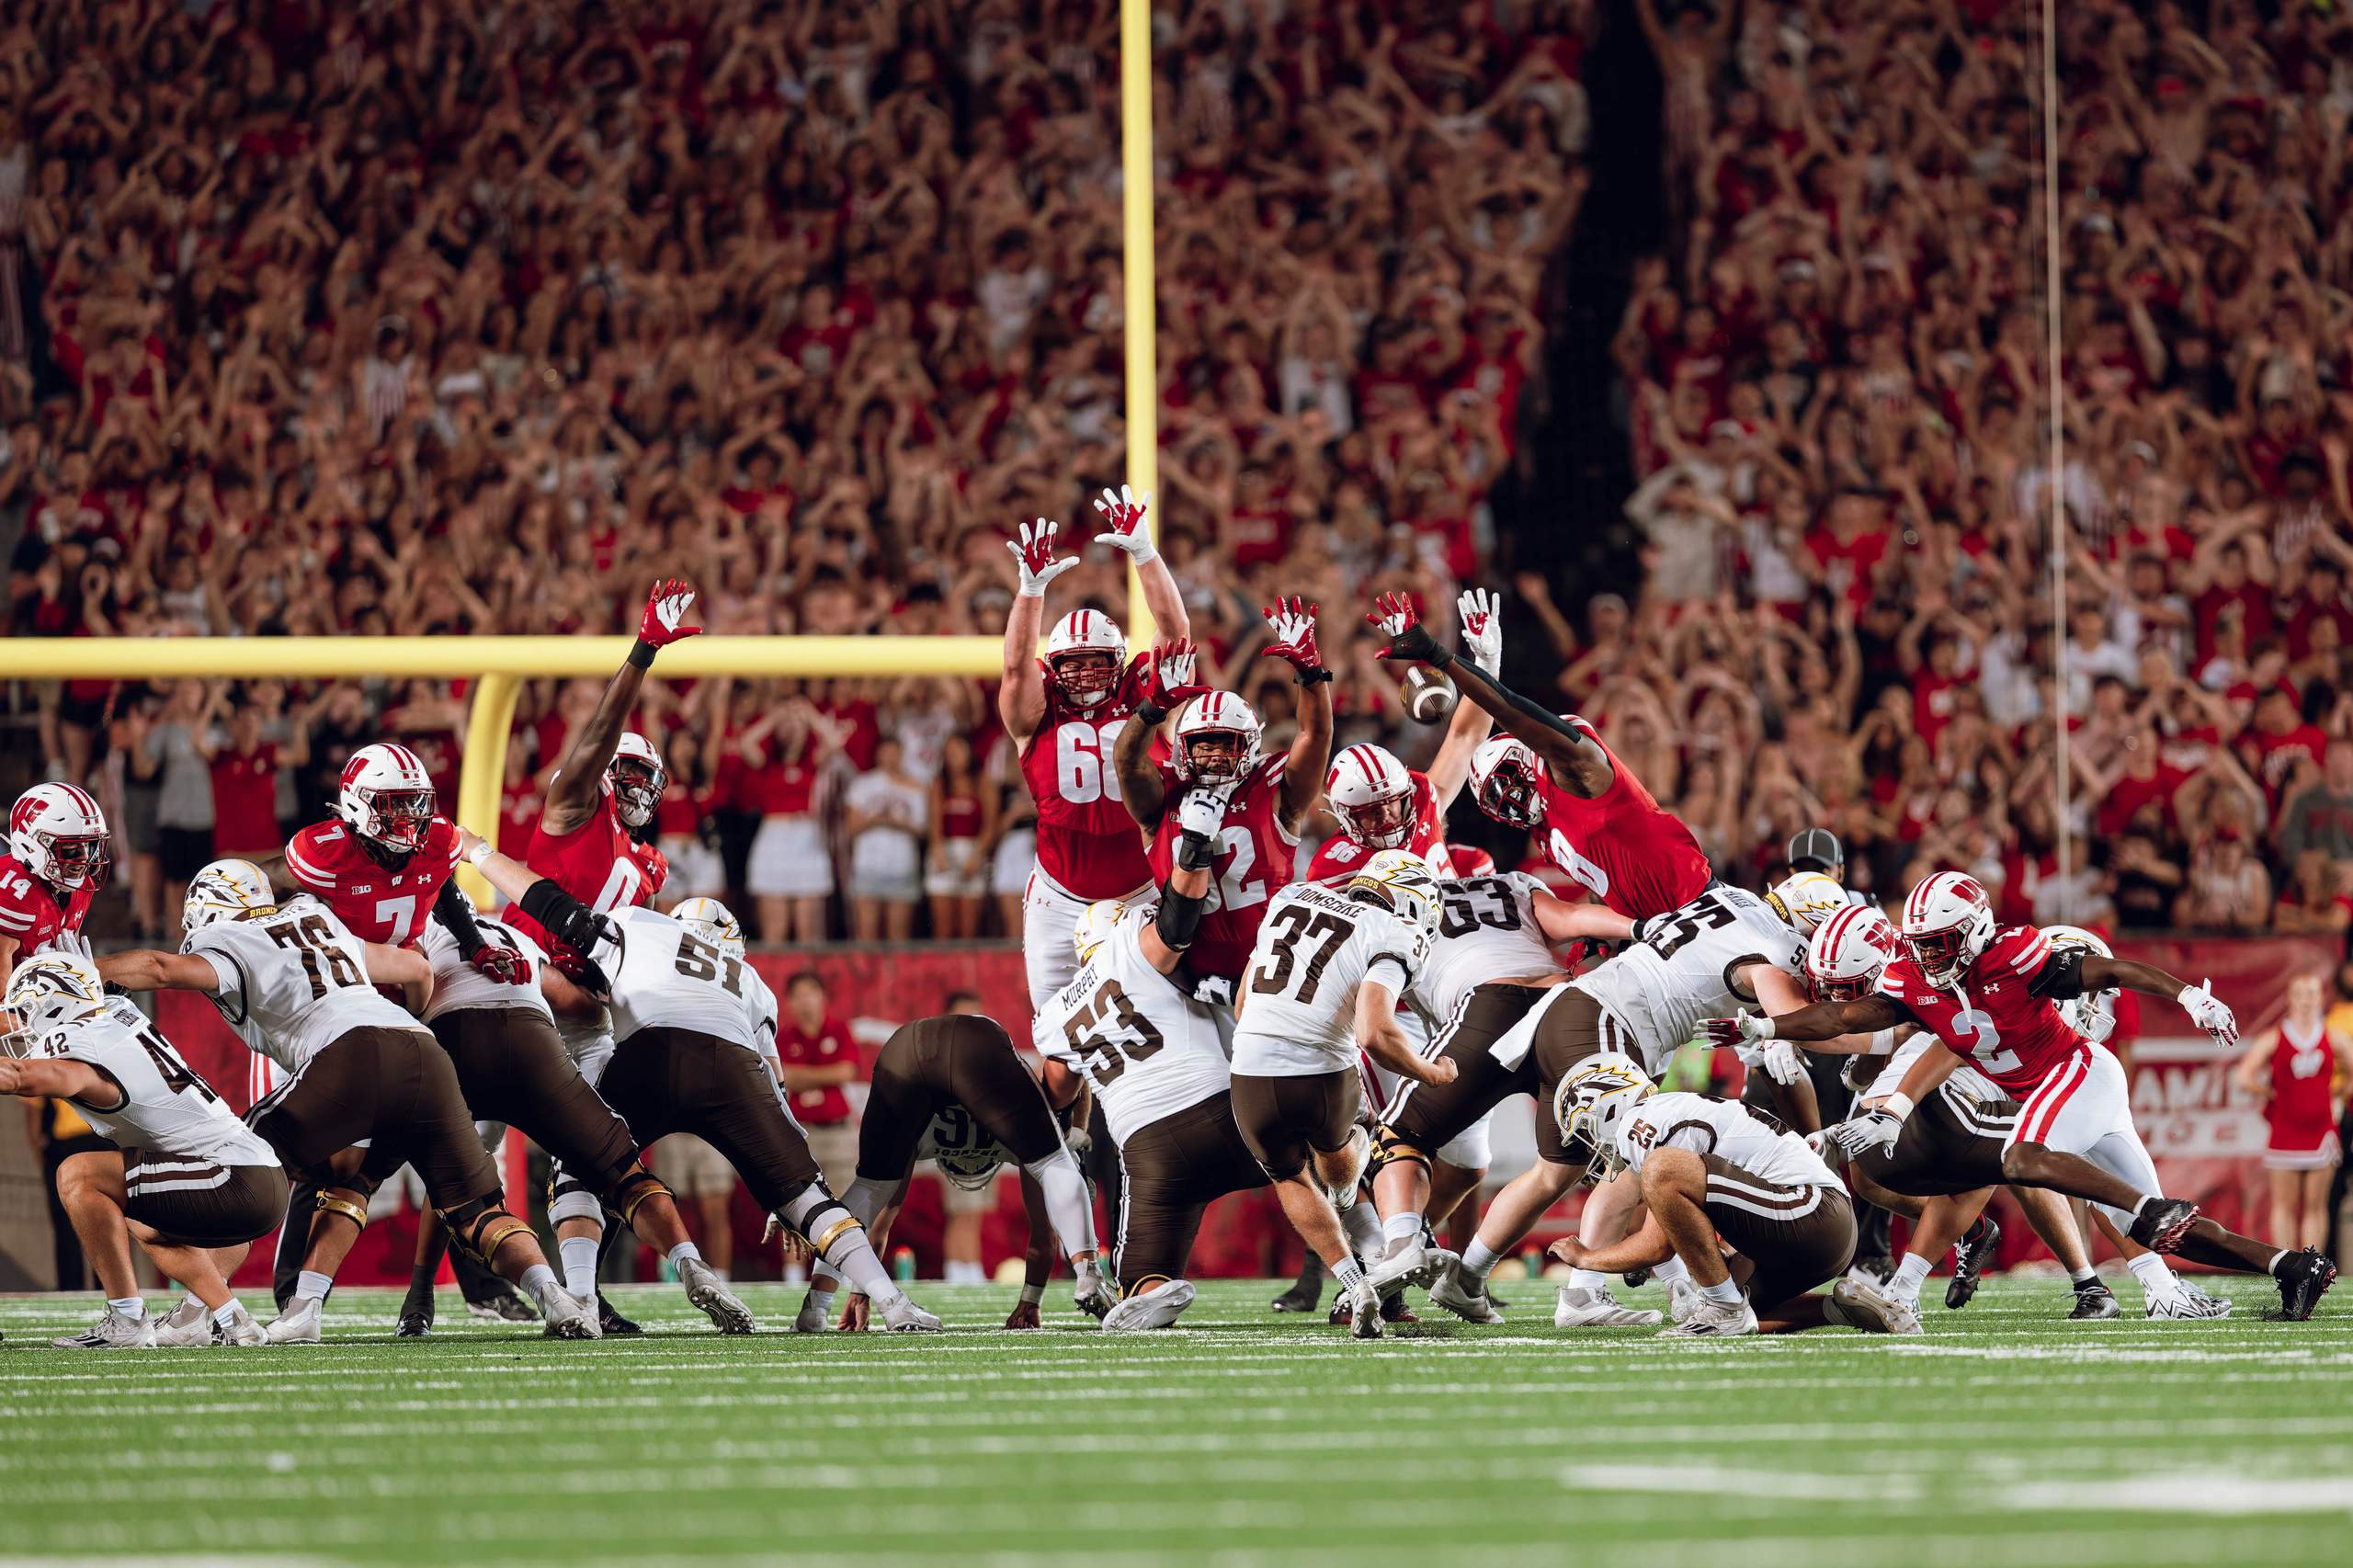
{"x":2192,"y":1492}
{"x":1696,"y":1480}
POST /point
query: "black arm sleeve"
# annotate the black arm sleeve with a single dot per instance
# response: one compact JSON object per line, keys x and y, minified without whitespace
{"x":455,"y":913}
{"x":2060,"y":978}
{"x":1466,"y":674}
{"x":1195,"y":851}
{"x":567,"y":919}
{"x":1179,"y":918}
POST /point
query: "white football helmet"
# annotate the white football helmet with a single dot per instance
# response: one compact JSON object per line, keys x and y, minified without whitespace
{"x":49,"y":989}
{"x":1507,"y":781}
{"x":1403,"y":882}
{"x":1806,"y":899}
{"x":1947,"y":921}
{"x":637,"y":779}
{"x":2092,"y":1015}
{"x":1096,"y":924}
{"x":58,"y":834}
{"x":223,"y":891}
{"x":1205,"y":718}
{"x":1593,"y":1101}
{"x":1085,"y":655}
{"x":1372,"y":794}
{"x":386,"y":797}
{"x":1847,"y":952}
{"x":714,"y":922}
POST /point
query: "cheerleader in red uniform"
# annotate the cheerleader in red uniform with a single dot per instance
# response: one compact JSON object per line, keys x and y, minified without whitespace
{"x":2298,"y":1072}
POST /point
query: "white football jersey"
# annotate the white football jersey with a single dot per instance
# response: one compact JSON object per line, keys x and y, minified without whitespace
{"x":166,"y":1108}
{"x":1146,"y":1046}
{"x":459,"y":986}
{"x":1299,"y":995}
{"x":293,"y":980}
{"x":1486,"y":933}
{"x":665,"y":974}
{"x":1678,"y":972}
{"x":1726,"y":1129}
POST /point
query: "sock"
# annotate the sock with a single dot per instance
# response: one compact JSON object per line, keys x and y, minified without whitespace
{"x":1667,"y":1273}
{"x":2277,"y":1259}
{"x":1361,"y":1221}
{"x":1067,"y":1205}
{"x":132,"y":1307}
{"x":2146,"y":1199}
{"x":579,"y":1254}
{"x":226,"y":1315}
{"x":2156,"y":1278}
{"x":312,"y":1285}
{"x":192,"y":1299}
{"x":1349,"y":1272}
{"x":821,"y":1299}
{"x":1906,"y":1286}
{"x":1588,"y":1279}
{"x":679,"y":1254}
{"x":538,"y":1281}
{"x":2087,"y":1280}
{"x":1724,"y":1293}
{"x":1405,"y":1227}
{"x":1479,"y":1260}
{"x":849,"y":1255}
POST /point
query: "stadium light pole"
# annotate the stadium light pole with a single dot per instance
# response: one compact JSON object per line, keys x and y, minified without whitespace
{"x":1139,"y":292}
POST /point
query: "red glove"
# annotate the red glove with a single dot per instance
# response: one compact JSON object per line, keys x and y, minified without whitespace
{"x":1293,"y":623}
{"x":1395,"y":616}
{"x":504,"y":965}
{"x":656,"y":867}
{"x":1168,"y":678}
{"x":665,"y":612}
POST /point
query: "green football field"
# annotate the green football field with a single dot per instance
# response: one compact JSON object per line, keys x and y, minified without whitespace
{"x":2007,"y":1437}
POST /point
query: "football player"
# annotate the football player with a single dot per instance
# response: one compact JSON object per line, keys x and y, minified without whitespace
{"x":297,"y":986}
{"x":56,"y":864}
{"x":1065,"y":713}
{"x":1216,"y":747}
{"x":694,"y":1029}
{"x":594,"y":840}
{"x":1988,"y":996}
{"x":193,"y":1183}
{"x":1324,"y":981}
{"x":1715,"y":1180}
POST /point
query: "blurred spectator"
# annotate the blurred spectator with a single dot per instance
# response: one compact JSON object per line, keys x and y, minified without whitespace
{"x":963,"y":824}
{"x":816,"y":1057}
{"x":885,"y":812}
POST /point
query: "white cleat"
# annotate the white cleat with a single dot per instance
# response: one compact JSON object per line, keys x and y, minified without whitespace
{"x":814,"y":1316}
{"x":1681,"y":1297}
{"x":1465,"y":1297}
{"x":1093,"y":1294}
{"x":1871,"y":1308}
{"x":1155,"y":1308}
{"x":569,"y":1317}
{"x":1592,"y":1307}
{"x":242,"y":1331}
{"x":2187,"y":1304}
{"x":298,"y":1325}
{"x":1405,"y":1258}
{"x":1713,"y":1320}
{"x":1363,"y":1301}
{"x":189,"y":1327}
{"x":901,"y":1316}
{"x":112,"y":1332}
{"x":706,"y":1289}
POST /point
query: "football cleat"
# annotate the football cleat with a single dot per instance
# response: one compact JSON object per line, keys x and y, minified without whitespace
{"x":1093,"y":1294}
{"x":2095,"y":1303}
{"x":569,"y":1317}
{"x":1580,"y":1307}
{"x":1681,"y":1297}
{"x":709,"y":1293}
{"x":1155,"y":1308}
{"x":814,"y":1316}
{"x":1363,"y":1304}
{"x":1869,"y":1310}
{"x":1405,"y":1257}
{"x":1877,"y":1269}
{"x":242,"y":1331}
{"x":504,"y":1305}
{"x":901,"y":1316}
{"x":299,"y":1323}
{"x":2186,"y":1304}
{"x":1970,"y":1256}
{"x":1393,"y":1308}
{"x":2303,"y":1278}
{"x":187,"y":1327}
{"x":2163,"y":1222}
{"x":609,"y":1322}
{"x":414,"y":1322}
{"x":113,"y":1331}
{"x":1713,"y":1320}
{"x":1305,"y":1291}
{"x":1465,"y":1297}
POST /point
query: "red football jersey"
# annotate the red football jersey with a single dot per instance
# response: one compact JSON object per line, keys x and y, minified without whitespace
{"x":1631,"y":853}
{"x":1256,"y":859}
{"x":1087,"y":844}
{"x":29,"y":913}
{"x":597,"y":863}
{"x":378,"y":906}
{"x":1989,"y":1018}
{"x":1341,"y":856}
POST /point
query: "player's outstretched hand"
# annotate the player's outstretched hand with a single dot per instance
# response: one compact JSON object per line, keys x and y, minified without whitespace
{"x":1568,"y":1250}
{"x":1023,"y":1315}
{"x":666,"y":608}
{"x":2209,"y":1012}
{"x":1202,"y":812}
{"x":1483,"y":629}
{"x":1781,"y":1062}
{"x":1739,"y":1030}
{"x":1395,"y":616}
{"x":855,"y":1310}
{"x":1170,"y":679}
{"x":1123,"y":528}
{"x":1292,"y":621}
{"x":1035,"y":556}
{"x":1877,"y":1128}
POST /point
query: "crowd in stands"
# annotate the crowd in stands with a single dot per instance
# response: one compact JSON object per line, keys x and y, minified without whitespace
{"x":320,"y":316}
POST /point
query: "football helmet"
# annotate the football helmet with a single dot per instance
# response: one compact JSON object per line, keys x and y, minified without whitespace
{"x":1085,"y":655}
{"x":1592,"y":1103}
{"x":1806,"y":899}
{"x":1847,"y":952}
{"x":2092,"y":1015}
{"x":1206,"y":719}
{"x":223,"y":891}
{"x":637,"y":779}
{"x":57,"y":832}
{"x":47,"y":991}
{"x":714,"y":922}
{"x":1947,"y":921}
{"x":386,"y":797}
{"x":1096,"y":924}
{"x":1507,"y":781}
{"x":1402,"y":882}
{"x":1372,"y":794}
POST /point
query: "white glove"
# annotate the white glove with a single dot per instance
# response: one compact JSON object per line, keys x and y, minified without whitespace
{"x":2206,"y":1010}
{"x":1079,"y":1141}
{"x":1781,"y":1062}
{"x":1482,"y":631}
{"x":1035,"y":556}
{"x":1124,"y":524}
{"x":1876,"y":1129}
{"x":1201,"y":812}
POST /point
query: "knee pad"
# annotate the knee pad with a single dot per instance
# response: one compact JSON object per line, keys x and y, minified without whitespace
{"x":818,"y":1218}
{"x":330,"y":1202}
{"x":481,"y":1225}
{"x":1388,"y":1145}
{"x":629,"y":1187}
{"x":569,"y":1198}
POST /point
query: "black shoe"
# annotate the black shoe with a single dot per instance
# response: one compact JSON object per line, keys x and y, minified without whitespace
{"x":415,"y":1322}
{"x":506,"y":1305}
{"x":1636,"y":1278}
{"x":611,"y":1322}
{"x":1305,"y":1291}
{"x":1878,"y":1266}
{"x":2163,"y":1222}
{"x":2302,"y":1277}
{"x":2095,"y":1303}
{"x":1969,"y":1260}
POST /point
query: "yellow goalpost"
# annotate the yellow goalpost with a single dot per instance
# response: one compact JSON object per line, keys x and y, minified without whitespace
{"x":498,"y":664}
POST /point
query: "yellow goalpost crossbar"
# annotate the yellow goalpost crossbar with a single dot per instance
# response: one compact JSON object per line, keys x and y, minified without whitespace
{"x":498,"y":664}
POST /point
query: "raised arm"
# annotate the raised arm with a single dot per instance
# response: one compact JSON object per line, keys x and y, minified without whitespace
{"x":1124,"y":531}
{"x":1575,"y":760}
{"x":1182,"y":901}
{"x":1292,"y":621}
{"x":1169,"y":683}
{"x":1483,"y":636}
{"x":567,"y":919}
{"x":1021,"y":687}
{"x":578,"y":785}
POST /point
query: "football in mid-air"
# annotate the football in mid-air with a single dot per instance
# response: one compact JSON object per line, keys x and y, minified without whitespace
{"x":1429,"y":695}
